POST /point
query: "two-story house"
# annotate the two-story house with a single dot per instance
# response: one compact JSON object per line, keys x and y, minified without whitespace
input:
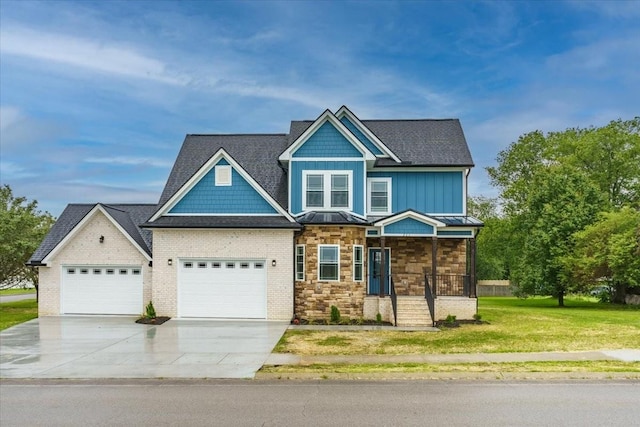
{"x":366,"y":215}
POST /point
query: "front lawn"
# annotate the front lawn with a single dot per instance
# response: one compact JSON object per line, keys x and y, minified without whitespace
{"x":17,"y":291}
{"x":514,"y":325}
{"x":13,"y":313}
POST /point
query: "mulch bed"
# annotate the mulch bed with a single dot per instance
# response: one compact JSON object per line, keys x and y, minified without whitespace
{"x":354,"y":322}
{"x":153,"y":320}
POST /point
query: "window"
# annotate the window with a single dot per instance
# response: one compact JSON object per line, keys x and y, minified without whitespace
{"x":110,"y":271}
{"x":231,"y":265}
{"x":358,"y":263}
{"x":223,"y":175}
{"x":327,"y":190}
{"x":202,"y":265}
{"x":84,"y":271}
{"x":123,"y":271}
{"x":135,"y":271}
{"x":244,"y":265}
{"x":379,"y":195}
{"x":215,"y":264}
{"x":71,"y":271}
{"x":188,"y":265}
{"x":97,"y":271}
{"x":329,"y":262}
{"x":258,"y":265}
{"x":299,"y":262}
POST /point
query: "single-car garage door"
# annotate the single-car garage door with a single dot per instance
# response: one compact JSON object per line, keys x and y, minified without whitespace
{"x":222,"y":288}
{"x":101,"y":290}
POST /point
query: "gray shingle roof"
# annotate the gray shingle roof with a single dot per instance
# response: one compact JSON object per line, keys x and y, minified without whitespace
{"x":129,"y":216}
{"x":426,"y":142}
{"x":256,"y":153}
{"x":330,"y":218}
{"x":223,"y":222}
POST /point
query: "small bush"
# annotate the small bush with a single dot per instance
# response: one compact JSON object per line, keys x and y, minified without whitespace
{"x":450,"y":319}
{"x":477,"y":317}
{"x":335,"y":314}
{"x":379,"y":318}
{"x":150,"y":312}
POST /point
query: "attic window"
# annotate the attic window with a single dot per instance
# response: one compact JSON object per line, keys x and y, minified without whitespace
{"x":223,"y":175}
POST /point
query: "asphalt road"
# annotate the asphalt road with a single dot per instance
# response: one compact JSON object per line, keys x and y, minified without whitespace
{"x":20,"y":297}
{"x":326,"y":403}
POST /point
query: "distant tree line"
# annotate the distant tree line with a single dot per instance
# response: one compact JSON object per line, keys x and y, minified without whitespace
{"x":568,"y":215}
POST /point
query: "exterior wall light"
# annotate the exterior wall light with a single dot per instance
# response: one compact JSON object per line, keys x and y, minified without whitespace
{"x":101,"y":239}
{"x":273,"y":263}
{"x":169,"y":261}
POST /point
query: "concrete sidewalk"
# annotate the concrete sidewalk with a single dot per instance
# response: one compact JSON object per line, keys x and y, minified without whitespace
{"x":626,"y":355}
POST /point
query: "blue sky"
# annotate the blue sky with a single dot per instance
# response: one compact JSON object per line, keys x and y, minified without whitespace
{"x":96,"y":97}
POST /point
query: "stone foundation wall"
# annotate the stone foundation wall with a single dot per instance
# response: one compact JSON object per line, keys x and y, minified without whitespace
{"x":314,"y":298}
{"x":463,"y":308}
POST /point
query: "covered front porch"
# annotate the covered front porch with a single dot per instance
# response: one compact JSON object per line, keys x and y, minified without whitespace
{"x":425,"y":273}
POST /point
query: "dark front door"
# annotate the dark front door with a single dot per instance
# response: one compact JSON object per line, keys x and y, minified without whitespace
{"x":375,"y":270}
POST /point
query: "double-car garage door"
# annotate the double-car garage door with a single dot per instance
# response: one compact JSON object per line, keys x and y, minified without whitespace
{"x":222,"y":288}
{"x":101,"y":289}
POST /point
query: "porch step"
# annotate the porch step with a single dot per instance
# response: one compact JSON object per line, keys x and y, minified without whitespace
{"x":413,"y":311}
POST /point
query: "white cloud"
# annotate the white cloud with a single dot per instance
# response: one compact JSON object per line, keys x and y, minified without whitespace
{"x":10,"y":171}
{"x":130,"y":161}
{"x":85,"y":53}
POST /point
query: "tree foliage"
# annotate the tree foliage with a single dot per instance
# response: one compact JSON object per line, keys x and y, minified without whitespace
{"x":551,"y":188}
{"x":22,"y":228}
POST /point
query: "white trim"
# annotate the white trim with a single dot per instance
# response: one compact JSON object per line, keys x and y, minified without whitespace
{"x":410,"y":214}
{"x":419,"y":169}
{"x":221,"y":214}
{"x":327,"y":116}
{"x":389,"y":199}
{"x":219,"y":172}
{"x":97,"y":208}
{"x":304,"y":262}
{"x":361,"y":247}
{"x":344,"y":111}
{"x":462,"y":229}
{"x":219,"y":155}
{"x":326,"y":201}
{"x":319,"y":263}
{"x":327,"y":159}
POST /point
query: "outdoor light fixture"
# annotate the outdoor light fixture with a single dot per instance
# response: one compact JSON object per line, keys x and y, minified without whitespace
{"x":169,"y":261}
{"x":273,"y":263}
{"x":101,"y":239}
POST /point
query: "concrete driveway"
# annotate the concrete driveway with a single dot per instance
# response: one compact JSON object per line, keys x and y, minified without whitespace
{"x":117,"y":347}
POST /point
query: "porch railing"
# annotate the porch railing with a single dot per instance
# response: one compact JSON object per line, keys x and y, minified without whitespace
{"x":430,"y":297}
{"x":454,"y":285}
{"x":394,"y":301}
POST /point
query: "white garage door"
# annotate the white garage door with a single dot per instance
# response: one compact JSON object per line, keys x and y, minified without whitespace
{"x":101,"y":290}
{"x":222,"y":288}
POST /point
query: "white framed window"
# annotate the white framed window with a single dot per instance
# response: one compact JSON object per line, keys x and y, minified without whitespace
{"x":379,"y":195}
{"x":358,"y":263}
{"x":327,"y":190}
{"x":223,"y":175}
{"x":300,"y":262}
{"x":329,"y":263}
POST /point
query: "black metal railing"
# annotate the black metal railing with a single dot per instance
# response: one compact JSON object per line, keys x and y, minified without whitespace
{"x":455,"y":285}
{"x":431,"y":299}
{"x":394,"y":301}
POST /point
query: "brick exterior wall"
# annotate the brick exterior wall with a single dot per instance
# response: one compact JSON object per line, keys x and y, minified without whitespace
{"x":225,"y":244}
{"x":85,"y":249}
{"x":314,"y":298}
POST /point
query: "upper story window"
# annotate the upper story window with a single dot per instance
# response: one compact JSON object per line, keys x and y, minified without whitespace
{"x":223,"y":175}
{"x":327,"y":190}
{"x":379,"y":195}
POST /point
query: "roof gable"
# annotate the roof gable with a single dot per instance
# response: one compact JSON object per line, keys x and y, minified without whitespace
{"x":202,"y":173}
{"x":125,"y":218}
{"x":330,"y":131}
{"x":368,"y":138}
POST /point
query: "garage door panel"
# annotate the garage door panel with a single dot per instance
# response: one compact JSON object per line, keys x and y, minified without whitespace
{"x":225,"y":289}
{"x":101,"y":290}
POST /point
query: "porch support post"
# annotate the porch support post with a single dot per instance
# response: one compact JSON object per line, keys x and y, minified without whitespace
{"x":434,"y":264}
{"x":383,"y":267}
{"x":472,"y":268}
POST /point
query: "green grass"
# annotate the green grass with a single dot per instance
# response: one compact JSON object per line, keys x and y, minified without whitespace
{"x":20,"y":291}
{"x":13,"y":313}
{"x":514,"y":325}
{"x":568,"y":366}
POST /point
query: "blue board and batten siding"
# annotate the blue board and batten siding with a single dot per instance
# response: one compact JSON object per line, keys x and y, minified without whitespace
{"x":207,"y":198}
{"x":361,"y":137}
{"x":357,"y":168}
{"x":409,"y":226}
{"x":427,"y":192}
{"x":327,"y":141}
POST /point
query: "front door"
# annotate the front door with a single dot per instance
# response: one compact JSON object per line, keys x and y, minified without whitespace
{"x":375,"y":270}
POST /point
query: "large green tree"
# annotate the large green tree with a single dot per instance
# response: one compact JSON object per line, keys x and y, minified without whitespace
{"x":550,"y":187}
{"x":22,"y":228}
{"x":608,"y":250}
